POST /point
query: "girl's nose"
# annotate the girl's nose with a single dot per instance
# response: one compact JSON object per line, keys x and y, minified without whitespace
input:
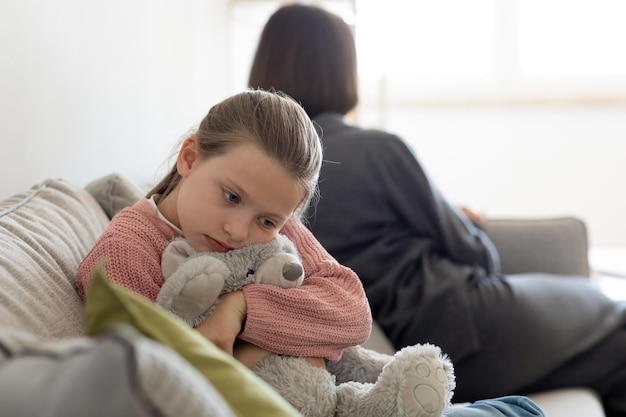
{"x":237,"y":228}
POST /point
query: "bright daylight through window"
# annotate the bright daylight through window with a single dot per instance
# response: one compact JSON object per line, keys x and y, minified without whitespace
{"x":456,"y":51}
{"x":492,"y":49}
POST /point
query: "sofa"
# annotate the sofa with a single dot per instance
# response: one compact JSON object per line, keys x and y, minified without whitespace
{"x":119,"y":355}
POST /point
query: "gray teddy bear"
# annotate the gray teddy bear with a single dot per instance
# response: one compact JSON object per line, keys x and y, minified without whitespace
{"x":417,"y":381}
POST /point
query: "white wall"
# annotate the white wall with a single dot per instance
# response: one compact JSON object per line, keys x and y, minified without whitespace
{"x":92,"y":87}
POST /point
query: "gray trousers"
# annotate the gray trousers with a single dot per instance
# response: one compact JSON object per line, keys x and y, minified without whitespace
{"x":540,"y":332}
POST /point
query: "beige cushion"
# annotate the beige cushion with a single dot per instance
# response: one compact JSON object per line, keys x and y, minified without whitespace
{"x":114,"y":192}
{"x":569,"y":402}
{"x":547,"y":245}
{"x":44,"y":235}
{"x":118,"y":373}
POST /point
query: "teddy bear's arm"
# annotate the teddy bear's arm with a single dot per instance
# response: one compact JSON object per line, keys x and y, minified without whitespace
{"x":192,"y":290}
{"x":177,"y":252}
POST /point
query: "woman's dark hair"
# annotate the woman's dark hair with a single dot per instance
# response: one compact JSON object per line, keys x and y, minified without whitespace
{"x":309,"y":54}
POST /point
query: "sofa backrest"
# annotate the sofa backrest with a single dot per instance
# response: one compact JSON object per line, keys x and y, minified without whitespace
{"x":44,"y":235}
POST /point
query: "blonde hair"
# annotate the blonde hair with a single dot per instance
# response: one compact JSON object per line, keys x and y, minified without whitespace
{"x":271,"y":120}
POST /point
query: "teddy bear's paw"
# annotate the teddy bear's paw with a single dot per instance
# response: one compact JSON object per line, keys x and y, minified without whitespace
{"x":198,"y":295}
{"x":358,"y":364}
{"x":417,"y":382}
{"x":426,"y":380}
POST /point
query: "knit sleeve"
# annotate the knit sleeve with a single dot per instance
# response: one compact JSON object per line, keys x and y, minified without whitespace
{"x":131,"y":249}
{"x":328,"y":313}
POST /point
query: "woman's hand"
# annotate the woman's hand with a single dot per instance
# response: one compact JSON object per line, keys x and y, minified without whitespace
{"x":477,"y":219}
{"x":226,"y":321}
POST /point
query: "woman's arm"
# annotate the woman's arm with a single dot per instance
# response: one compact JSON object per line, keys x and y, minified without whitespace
{"x":425,"y":210}
{"x":328,"y":313}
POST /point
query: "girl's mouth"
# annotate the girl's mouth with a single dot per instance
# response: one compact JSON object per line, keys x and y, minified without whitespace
{"x":218,"y":246}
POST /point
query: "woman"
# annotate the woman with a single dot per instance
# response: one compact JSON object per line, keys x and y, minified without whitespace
{"x":430,"y":274}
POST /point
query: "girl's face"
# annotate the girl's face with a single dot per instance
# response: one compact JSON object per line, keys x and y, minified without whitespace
{"x":232,"y":200}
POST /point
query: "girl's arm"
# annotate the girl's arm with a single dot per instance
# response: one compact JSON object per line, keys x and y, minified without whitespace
{"x":131,"y":247}
{"x":328,"y":313}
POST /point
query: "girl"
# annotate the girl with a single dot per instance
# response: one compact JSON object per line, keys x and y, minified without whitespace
{"x":246,"y":174}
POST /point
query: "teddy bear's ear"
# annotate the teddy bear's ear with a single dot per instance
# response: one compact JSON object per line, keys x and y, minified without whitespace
{"x":286,"y":245}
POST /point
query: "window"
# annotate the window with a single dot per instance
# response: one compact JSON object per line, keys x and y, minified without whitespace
{"x":425,"y":39}
{"x":492,"y":51}
{"x":467,"y":52}
{"x":573,"y":38}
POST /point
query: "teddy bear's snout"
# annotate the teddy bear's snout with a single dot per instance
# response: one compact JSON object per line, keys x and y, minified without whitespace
{"x":292,"y":271}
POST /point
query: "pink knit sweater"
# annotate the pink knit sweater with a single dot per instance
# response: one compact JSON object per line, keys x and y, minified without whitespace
{"x":325,"y":315}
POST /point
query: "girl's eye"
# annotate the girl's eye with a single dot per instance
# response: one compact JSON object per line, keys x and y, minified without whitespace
{"x":267,"y":223}
{"x":230,"y":197}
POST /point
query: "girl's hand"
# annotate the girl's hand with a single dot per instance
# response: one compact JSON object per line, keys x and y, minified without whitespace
{"x":226,"y":321}
{"x":248,"y":354}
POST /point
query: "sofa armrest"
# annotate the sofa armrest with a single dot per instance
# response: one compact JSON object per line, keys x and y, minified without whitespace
{"x":552,"y":245}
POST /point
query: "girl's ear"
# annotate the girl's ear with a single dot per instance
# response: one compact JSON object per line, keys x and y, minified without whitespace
{"x":187,"y":155}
